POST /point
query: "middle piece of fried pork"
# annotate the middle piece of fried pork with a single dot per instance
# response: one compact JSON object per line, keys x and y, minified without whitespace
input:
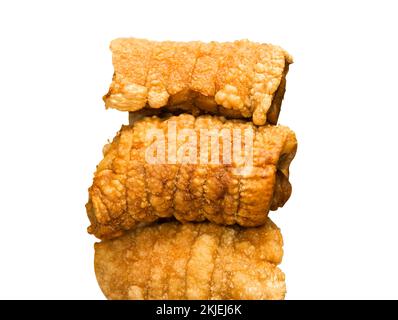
{"x":158,"y":168}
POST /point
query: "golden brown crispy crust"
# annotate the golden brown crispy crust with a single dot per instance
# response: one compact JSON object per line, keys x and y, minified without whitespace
{"x":192,"y":261}
{"x":127,"y":190}
{"x":240,"y":79}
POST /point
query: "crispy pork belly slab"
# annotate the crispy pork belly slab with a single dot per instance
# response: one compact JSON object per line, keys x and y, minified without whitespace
{"x":157,"y":168}
{"x":192,"y":261}
{"x":240,"y":79}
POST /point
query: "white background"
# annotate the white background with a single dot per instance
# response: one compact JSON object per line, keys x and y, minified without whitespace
{"x":341,"y":223}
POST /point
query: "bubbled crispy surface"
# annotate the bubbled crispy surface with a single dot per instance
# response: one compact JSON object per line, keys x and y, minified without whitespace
{"x":127,"y":190}
{"x":192,"y":261}
{"x":235,"y":79}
